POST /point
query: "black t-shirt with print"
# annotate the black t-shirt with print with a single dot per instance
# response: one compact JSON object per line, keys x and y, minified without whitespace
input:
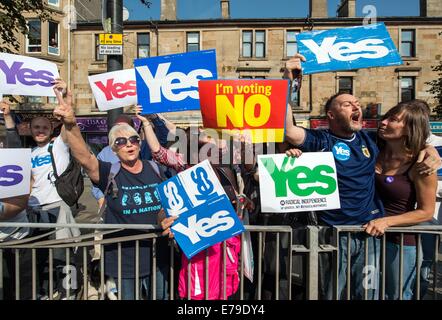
{"x":137,"y":202}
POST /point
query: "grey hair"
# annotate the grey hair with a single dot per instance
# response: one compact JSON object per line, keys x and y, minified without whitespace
{"x":117,"y":130}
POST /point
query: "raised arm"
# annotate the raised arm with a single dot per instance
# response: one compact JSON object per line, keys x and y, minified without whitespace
{"x":294,"y":135}
{"x":71,"y":131}
{"x":12,"y":137}
{"x":149,"y":133}
{"x":171,"y":127}
{"x":160,"y":154}
{"x":61,"y":86}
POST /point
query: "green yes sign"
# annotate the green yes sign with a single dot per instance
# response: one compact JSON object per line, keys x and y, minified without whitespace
{"x":288,"y":176}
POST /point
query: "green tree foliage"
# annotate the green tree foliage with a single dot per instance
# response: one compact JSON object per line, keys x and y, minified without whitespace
{"x":436,"y":88}
{"x":12,"y":21}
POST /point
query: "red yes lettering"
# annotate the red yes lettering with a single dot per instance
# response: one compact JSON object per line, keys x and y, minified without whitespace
{"x":117,"y":90}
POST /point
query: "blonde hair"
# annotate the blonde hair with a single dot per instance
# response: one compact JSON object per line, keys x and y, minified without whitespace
{"x":116,"y":132}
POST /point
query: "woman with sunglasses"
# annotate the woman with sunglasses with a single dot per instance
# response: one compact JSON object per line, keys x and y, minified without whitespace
{"x":204,"y":148}
{"x":134,"y":202}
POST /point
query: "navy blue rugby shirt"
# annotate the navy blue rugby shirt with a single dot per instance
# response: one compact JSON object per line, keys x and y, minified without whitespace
{"x":355,"y":160}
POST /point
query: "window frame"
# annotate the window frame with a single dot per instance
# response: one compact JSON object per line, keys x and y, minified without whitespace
{"x":412,"y":42}
{"x":140,"y":45}
{"x":287,"y":42}
{"x":260,"y":42}
{"x":58,"y":38}
{"x":253,"y":44}
{"x":247,"y":42}
{"x":54,"y":5}
{"x":413,"y":87}
{"x":351,"y":85}
{"x":27,"y":38}
{"x":252,"y":77}
{"x":192,"y":43}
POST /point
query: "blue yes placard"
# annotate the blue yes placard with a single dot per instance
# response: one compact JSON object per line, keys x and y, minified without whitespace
{"x":347,"y":49}
{"x":206,"y":225}
{"x":205,"y":214}
{"x":170,"y":83}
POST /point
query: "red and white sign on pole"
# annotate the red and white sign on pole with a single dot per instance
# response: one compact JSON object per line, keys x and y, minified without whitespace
{"x":114,"y":89}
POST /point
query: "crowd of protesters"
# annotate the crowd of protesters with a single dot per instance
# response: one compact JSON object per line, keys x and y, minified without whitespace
{"x":388,"y":180}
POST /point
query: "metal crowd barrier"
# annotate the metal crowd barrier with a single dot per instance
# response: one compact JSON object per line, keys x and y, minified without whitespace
{"x":310,"y":250}
{"x":419,"y":230}
{"x":89,"y":240}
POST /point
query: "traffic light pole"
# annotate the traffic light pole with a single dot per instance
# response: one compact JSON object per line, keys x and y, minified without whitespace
{"x":114,"y":62}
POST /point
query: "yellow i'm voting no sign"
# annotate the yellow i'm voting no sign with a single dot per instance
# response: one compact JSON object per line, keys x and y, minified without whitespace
{"x":111,"y":43}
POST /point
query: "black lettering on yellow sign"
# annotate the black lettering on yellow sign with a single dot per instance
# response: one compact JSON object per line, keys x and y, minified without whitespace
{"x":111,"y":38}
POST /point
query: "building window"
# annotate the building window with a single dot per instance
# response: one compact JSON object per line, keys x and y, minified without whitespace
{"x":260,"y":44}
{"x":52,"y":100}
{"x":33,"y":39}
{"x":193,"y":41}
{"x":408,"y":43}
{"x":253,"y":47}
{"x":346,"y":85}
{"x":252,"y":77}
{"x":98,"y":56}
{"x":55,"y":3}
{"x":407,"y":88}
{"x":290,"y":43}
{"x":247,"y":41}
{"x":54,"y":38}
{"x":33,"y":99}
{"x":143,"y":45}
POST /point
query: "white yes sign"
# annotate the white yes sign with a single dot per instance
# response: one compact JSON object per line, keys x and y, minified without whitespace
{"x":346,"y":51}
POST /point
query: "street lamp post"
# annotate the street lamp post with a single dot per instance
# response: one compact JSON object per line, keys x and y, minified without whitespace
{"x":114,"y":10}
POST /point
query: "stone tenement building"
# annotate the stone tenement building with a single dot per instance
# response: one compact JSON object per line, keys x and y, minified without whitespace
{"x":256,"y":48}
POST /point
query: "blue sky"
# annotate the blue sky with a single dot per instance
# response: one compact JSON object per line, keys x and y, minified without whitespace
{"x":210,"y":9}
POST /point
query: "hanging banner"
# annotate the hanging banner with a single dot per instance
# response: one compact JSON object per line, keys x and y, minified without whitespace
{"x":170,"y":83}
{"x":205,"y":214}
{"x":15,"y":172}
{"x":26,"y":76}
{"x":307,"y":183}
{"x":114,"y":89}
{"x":250,"y":107}
{"x":347,"y":49}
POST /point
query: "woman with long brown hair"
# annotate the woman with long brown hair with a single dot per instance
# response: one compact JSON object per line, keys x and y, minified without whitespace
{"x":408,"y":197}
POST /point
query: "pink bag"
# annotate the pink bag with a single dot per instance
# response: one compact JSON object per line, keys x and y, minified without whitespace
{"x":214,"y":269}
